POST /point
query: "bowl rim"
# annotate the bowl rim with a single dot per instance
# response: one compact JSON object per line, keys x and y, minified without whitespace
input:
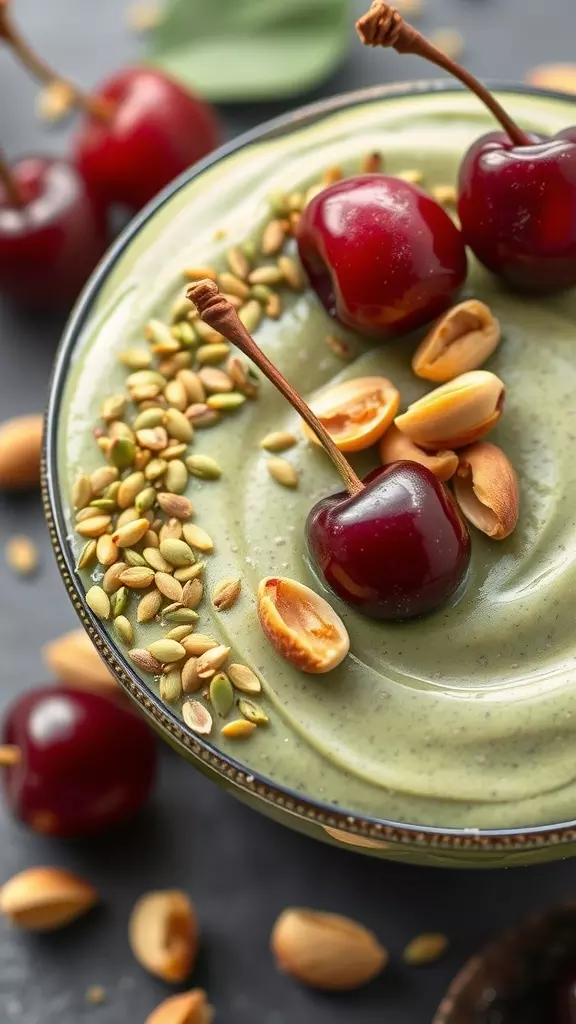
{"x":252,"y":783}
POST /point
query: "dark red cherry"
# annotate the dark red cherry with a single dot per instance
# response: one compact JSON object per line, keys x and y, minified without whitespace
{"x":382,"y":255}
{"x":397,"y":549}
{"x":83,"y":762}
{"x":517,"y":207}
{"x":52,"y":232}
{"x":155,"y":129}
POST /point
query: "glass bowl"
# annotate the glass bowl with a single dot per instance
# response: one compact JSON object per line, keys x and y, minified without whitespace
{"x":410,"y":842}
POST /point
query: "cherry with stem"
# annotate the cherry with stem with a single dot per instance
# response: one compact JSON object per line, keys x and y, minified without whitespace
{"x":503,"y":177}
{"x":393,"y":545}
{"x":141,"y":128}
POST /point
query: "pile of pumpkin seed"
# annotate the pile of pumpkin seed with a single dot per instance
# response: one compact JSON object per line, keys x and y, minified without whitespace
{"x":133,"y":512}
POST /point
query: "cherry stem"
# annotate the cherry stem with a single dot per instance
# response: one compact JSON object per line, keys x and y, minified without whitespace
{"x":384,"y":26}
{"x":10,"y":756}
{"x":220,"y":314}
{"x":41,"y":70}
{"x":10,"y":184}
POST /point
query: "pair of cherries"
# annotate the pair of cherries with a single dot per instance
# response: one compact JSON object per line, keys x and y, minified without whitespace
{"x":140,"y":130}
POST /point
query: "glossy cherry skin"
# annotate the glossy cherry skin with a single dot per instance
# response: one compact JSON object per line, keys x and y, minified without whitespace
{"x":382,"y":255}
{"x":87,"y":762}
{"x":50,"y":244}
{"x":517,"y":207}
{"x":156,"y":130}
{"x":398,"y":549}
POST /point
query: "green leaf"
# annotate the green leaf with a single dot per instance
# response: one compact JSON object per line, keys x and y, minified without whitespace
{"x":238,"y":50}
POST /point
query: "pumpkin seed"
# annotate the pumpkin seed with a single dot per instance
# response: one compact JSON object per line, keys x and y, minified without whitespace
{"x":189,"y":573}
{"x":221,"y":694}
{"x":123,"y":629}
{"x":203,"y":467}
{"x":153,"y":438}
{"x":113,"y":408}
{"x":129,"y":534}
{"x":168,"y":586}
{"x":103,"y":504}
{"x":106,"y":550}
{"x":250,"y":315}
{"x":244,"y":679}
{"x":266,"y":275}
{"x":273,"y":238}
{"x":425,"y":949}
{"x":233,"y":285}
{"x":238,"y":262}
{"x":253,"y":712}
{"x":135,"y":358}
{"x":197,"y":717}
{"x":145,"y":500}
{"x":137,"y":577}
{"x":118,"y":601}
{"x":177,"y":552}
{"x":149,"y":606}
{"x":208,"y":355}
{"x":152,"y":417}
{"x":87,"y":555}
{"x":122,"y":452}
{"x":181,"y":616}
{"x":179,"y":633}
{"x":191,"y":681}
{"x":98,"y":601}
{"x":155,"y":469}
{"x":129,"y":488}
{"x":199,"y":273}
{"x":292,"y":273}
{"x":94,"y":526}
{"x":176,"y":423}
{"x":171,"y":686}
{"x":172,"y":530}
{"x":211,"y":661}
{"x":197,"y":538}
{"x":240,"y":729}
{"x":283,"y":472}
{"x":199,"y":643}
{"x":112,"y":582}
{"x":166,"y":651}
{"x":278,"y":441}
{"x":156,"y":560}
{"x":201,"y":415}
{"x":176,"y":477}
{"x":226,"y":403}
{"x":82,"y":493}
{"x":192,"y":384}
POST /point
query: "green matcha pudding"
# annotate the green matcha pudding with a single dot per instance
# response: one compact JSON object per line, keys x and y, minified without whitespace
{"x":188,"y":479}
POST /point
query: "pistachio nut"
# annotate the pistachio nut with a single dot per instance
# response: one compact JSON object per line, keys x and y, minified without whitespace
{"x":462,"y":340}
{"x":487,"y":490}
{"x":43,"y":899}
{"x":455,"y":414}
{"x":397,"y":447}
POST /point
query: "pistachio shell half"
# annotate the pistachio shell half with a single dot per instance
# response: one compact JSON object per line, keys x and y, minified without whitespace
{"x":487,"y":489}
{"x":455,"y":414}
{"x":163,"y":934}
{"x":460,"y":341}
{"x":301,"y":625}
{"x":397,"y":447}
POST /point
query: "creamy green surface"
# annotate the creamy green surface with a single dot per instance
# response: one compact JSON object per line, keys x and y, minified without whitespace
{"x":468,"y":717}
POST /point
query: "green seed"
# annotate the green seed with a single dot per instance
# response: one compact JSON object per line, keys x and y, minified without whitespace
{"x":182,"y":306}
{"x":261,"y":292}
{"x":253,"y":712}
{"x":118,"y":602}
{"x":144,"y":378}
{"x":87,"y":556}
{"x":185,"y":334}
{"x":179,"y":633}
{"x":145,"y":499}
{"x":105,"y":504}
{"x":203,"y":467}
{"x":156,"y":332}
{"x":226,"y":402}
{"x":166,"y":651}
{"x":182,"y":616}
{"x":133,"y":557}
{"x":208,"y":355}
{"x":99,"y":602}
{"x":189,"y":573}
{"x":250,"y":315}
{"x":249,"y":249}
{"x":279,"y":204}
{"x":155,"y":469}
{"x":135,"y":358}
{"x":177,"y":425}
{"x":177,"y":552}
{"x":123,"y":629}
{"x":171,"y":686}
{"x":112,"y":491}
{"x":149,"y":418}
{"x":102,"y":478}
{"x":221,"y":694}
{"x":176,"y":477}
{"x":122,"y":452}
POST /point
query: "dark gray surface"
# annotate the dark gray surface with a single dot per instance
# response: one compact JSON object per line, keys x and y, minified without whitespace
{"x":239,"y":868}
